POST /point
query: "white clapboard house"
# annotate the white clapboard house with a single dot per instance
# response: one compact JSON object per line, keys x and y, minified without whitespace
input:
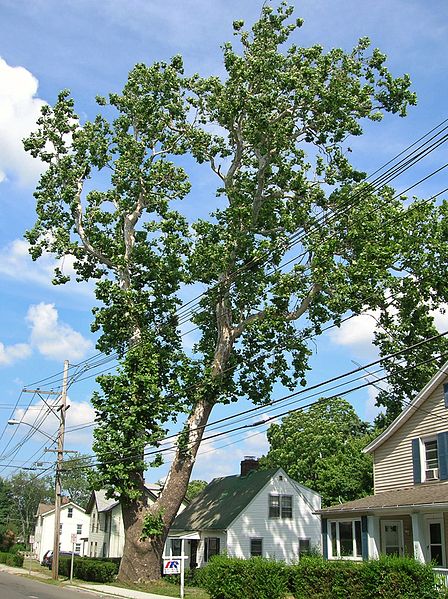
{"x":74,"y":520}
{"x":255,"y":513}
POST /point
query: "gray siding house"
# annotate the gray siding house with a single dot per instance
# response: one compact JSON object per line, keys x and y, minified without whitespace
{"x":408,"y":513}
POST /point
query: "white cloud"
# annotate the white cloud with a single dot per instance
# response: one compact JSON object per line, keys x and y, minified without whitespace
{"x":19,"y":110}
{"x":9,"y":354}
{"x":16,"y":263}
{"x":357,"y":333}
{"x":52,"y":338}
{"x":441,"y":318}
{"x":222,"y":457}
{"x":79,"y":414}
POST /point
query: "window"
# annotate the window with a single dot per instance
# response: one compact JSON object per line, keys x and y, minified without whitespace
{"x":211,"y":548}
{"x":79,"y":529}
{"x":104,"y":550}
{"x":304,"y":547}
{"x":346,"y":538}
{"x":78,"y":548}
{"x":286,"y":506}
{"x":93,"y":522}
{"x":256,"y":547}
{"x":60,"y":529}
{"x":176,"y":546}
{"x":431,"y":460}
{"x":280,"y":506}
{"x":95,"y":549}
{"x":70,"y":512}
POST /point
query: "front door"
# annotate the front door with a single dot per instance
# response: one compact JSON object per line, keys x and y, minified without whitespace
{"x":392,"y":537}
{"x":193,"y":554}
{"x":435,"y":539}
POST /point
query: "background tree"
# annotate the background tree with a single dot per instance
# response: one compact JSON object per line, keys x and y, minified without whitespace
{"x":281,"y":167}
{"x":322,"y":449}
{"x":26,"y":492}
{"x":194,"y":488}
{"x":76,"y":484}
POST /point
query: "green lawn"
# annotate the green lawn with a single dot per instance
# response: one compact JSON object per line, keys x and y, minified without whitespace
{"x":162,"y":587}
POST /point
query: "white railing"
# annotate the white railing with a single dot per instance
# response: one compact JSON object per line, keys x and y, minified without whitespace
{"x":442,"y":578}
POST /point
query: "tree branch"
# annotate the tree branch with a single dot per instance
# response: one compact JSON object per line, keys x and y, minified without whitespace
{"x":77,"y":215}
{"x":289,"y":316}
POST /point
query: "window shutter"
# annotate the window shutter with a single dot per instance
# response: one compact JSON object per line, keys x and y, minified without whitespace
{"x":325,"y":538}
{"x":364,"y":538}
{"x":442,"y":448}
{"x":416,"y":461}
{"x":445,"y":394}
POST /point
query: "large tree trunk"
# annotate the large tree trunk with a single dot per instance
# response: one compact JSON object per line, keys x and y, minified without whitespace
{"x":142,"y":560}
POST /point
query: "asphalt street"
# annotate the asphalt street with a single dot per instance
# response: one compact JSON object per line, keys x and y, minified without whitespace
{"x":17,"y":587}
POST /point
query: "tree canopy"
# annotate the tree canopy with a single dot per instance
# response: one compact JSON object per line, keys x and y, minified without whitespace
{"x":297,"y":240}
{"x":322,"y":448}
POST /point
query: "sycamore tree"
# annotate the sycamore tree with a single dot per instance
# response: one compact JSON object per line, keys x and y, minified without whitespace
{"x":322,"y":449}
{"x":116,"y":196}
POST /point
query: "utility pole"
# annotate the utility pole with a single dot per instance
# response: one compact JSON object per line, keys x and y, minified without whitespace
{"x":58,"y":488}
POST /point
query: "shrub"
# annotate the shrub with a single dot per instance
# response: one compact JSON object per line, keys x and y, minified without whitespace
{"x":255,"y":578}
{"x":388,"y":578}
{"x":11,"y":559}
{"x":14,"y":559}
{"x":85,"y":568}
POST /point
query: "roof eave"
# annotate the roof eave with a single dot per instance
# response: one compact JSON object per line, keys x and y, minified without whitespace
{"x":409,"y":410}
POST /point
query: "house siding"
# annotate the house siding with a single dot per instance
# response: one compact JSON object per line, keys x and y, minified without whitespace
{"x":280,"y":536}
{"x":393,"y":467}
{"x":45,"y":538}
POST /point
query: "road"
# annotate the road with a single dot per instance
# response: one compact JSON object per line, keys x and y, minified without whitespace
{"x":18,"y":587}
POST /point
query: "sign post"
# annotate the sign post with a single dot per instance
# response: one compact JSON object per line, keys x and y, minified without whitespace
{"x":74,"y":539}
{"x":31,"y":540}
{"x":175,"y":564}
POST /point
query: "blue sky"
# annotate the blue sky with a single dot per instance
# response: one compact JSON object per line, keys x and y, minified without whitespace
{"x":89,"y":46}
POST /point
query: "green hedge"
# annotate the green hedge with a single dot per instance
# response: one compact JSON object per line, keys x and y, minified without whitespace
{"x":85,"y":568}
{"x":11,"y":559}
{"x":257,"y":578}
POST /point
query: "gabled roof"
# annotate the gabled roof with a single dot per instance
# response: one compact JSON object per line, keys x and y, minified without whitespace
{"x":428,"y":495}
{"x":418,"y":400}
{"x":43,"y":508}
{"x":63,"y":506}
{"x":104,"y":504}
{"x":99,"y":498}
{"x":222,"y":500}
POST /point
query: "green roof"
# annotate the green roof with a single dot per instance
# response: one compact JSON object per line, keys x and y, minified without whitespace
{"x":222,"y":501}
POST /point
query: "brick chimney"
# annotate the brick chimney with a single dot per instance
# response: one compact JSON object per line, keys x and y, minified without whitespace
{"x":248,"y":464}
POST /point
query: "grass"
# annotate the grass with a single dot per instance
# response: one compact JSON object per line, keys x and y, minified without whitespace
{"x":161,"y":587}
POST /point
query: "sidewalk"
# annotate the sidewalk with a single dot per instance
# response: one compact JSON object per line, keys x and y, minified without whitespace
{"x":119,"y":592}
{"x":103,"y":589}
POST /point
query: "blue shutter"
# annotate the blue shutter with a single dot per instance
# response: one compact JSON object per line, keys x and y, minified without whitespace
{"x":416,"y":461}
{"x":325,"y":538}
{"x":442,"y":448}
{"x":445,"y":394}
{"x":364,"y":538}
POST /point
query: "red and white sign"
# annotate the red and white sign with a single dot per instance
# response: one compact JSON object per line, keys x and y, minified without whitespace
{"x":171,"y":566}
{"x":74,"y":538}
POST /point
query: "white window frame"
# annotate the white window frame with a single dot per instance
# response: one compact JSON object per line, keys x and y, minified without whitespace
{"x":434,"y":519}
{"x":260,"y":539}
{"x":280,"y":497}
{"x":423,"y":463}
{"x":355,"y":556}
